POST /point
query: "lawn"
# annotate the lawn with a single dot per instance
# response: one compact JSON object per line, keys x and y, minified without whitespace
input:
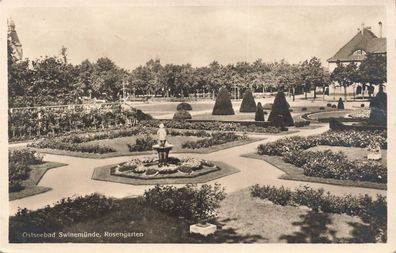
{"x":331,"y":114}
{"x":293,"y":172}
{"x":30,"y":185}
{"x":260,"y":221}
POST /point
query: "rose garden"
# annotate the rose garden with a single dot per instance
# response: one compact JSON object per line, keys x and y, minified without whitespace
{"x":196,"y":159}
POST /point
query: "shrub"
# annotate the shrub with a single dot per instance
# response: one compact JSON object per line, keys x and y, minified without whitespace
{"x":333,"y":106}
{"x":259,"y":116}
{"x":303,"y":109}
{"x":184,"y":106}
{"x":340,"y":105}
{"x":182,"y":115}
{"x":321,"y":108}
{"x":196,"y":204}
{"x":328,"y":105}
{"x":65,"y":212}
{"x":362,"y":105}
{"x":281,"y":107}
{"x":143,"y":144}
{"x":223,"y":105}
{"x":248,"y":104}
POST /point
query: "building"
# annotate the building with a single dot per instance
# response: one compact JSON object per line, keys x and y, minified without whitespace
{"x":14,"y":39}
{"x":355,"y":50}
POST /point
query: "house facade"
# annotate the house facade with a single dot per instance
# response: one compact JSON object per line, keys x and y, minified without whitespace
{"x":355,"y":51}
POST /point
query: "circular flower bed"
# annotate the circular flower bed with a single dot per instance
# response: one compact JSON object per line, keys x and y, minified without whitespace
{"x":148,"y":167}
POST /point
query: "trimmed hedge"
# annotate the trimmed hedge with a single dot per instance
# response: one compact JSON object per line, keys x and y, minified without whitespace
{"x":223,"y":105}
{"x":281,"y":107}
{"x":184,"y":106}
{"x":259,"y":116}
{"x":182,"y":115}
{"x":340,"y":105}
{"x":248,"y":104}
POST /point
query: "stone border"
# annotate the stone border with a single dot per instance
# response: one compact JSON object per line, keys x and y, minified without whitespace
{"x":295,"y":173}
{"x":103,"y":174}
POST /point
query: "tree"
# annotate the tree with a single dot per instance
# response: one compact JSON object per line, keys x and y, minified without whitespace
{"x":345,"y":75}
{"x":372,"y":70}
{"x":223,"y":105}
{"x":313,"y":75}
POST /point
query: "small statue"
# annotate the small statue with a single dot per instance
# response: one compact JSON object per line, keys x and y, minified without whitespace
{"x":161,"y":134}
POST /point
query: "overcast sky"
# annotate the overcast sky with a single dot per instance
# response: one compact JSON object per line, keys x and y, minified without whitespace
{"x":130,"y":36}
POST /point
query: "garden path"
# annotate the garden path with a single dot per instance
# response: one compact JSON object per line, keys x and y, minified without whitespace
{"x":75,"y":178}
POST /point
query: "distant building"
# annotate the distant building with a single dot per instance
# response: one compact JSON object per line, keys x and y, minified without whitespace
{"x":15,"y":43}
{"x":363,"y":43}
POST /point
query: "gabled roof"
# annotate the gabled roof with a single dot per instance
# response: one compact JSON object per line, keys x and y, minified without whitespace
{"x":366,"y":41}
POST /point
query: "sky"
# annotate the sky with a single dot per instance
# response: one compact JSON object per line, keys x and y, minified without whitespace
{"x":130,"y":36}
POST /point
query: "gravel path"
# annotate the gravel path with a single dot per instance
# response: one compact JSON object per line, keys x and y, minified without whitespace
{"x":75,"y":178}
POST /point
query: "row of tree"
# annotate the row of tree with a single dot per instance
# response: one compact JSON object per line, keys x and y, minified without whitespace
{"x":371,"y":71}
{"x":52,"y":80}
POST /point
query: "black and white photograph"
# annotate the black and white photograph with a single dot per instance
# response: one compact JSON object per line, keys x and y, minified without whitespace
{"x":262,"y":123}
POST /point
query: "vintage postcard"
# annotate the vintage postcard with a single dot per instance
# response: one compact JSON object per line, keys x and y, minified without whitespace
{"x":198,"y":125}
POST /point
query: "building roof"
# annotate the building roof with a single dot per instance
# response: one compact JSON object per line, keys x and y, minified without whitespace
{"x":366,"y":41}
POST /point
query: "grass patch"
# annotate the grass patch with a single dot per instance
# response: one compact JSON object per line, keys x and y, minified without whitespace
{"x":259,"y":221}
{"x":30,"y":185}
{"x":297,"y":174}
{"x":103,"y":174}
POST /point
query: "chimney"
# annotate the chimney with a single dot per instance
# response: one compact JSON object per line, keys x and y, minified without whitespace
{"x":362,"y":28}
{"x":380,"y":27}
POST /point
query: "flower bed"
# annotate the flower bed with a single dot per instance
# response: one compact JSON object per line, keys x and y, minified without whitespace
{"x":373,"y":212}
{"x":210,"y":125}
{"x":350,"y":138}
{"x":31,"y":123}
{"x":147,"y":168}
{"x":18,"y":167}
{"x":327,"y":164}
{"x":216,"y":139}
{"x":58,"y":144}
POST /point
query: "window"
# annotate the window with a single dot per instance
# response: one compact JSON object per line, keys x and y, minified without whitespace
{"x":359,"y":52}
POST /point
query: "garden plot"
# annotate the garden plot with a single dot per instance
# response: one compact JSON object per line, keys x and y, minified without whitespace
{"x":351,"y":152}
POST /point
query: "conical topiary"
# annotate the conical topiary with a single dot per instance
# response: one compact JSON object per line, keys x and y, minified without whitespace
{"x":340,"y":105}
{"x":248,"y":104}
{"x":259,"y":113}
{"x":223,"y":105}
{"x":378,"y":109}
{"x":281,"y":107}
